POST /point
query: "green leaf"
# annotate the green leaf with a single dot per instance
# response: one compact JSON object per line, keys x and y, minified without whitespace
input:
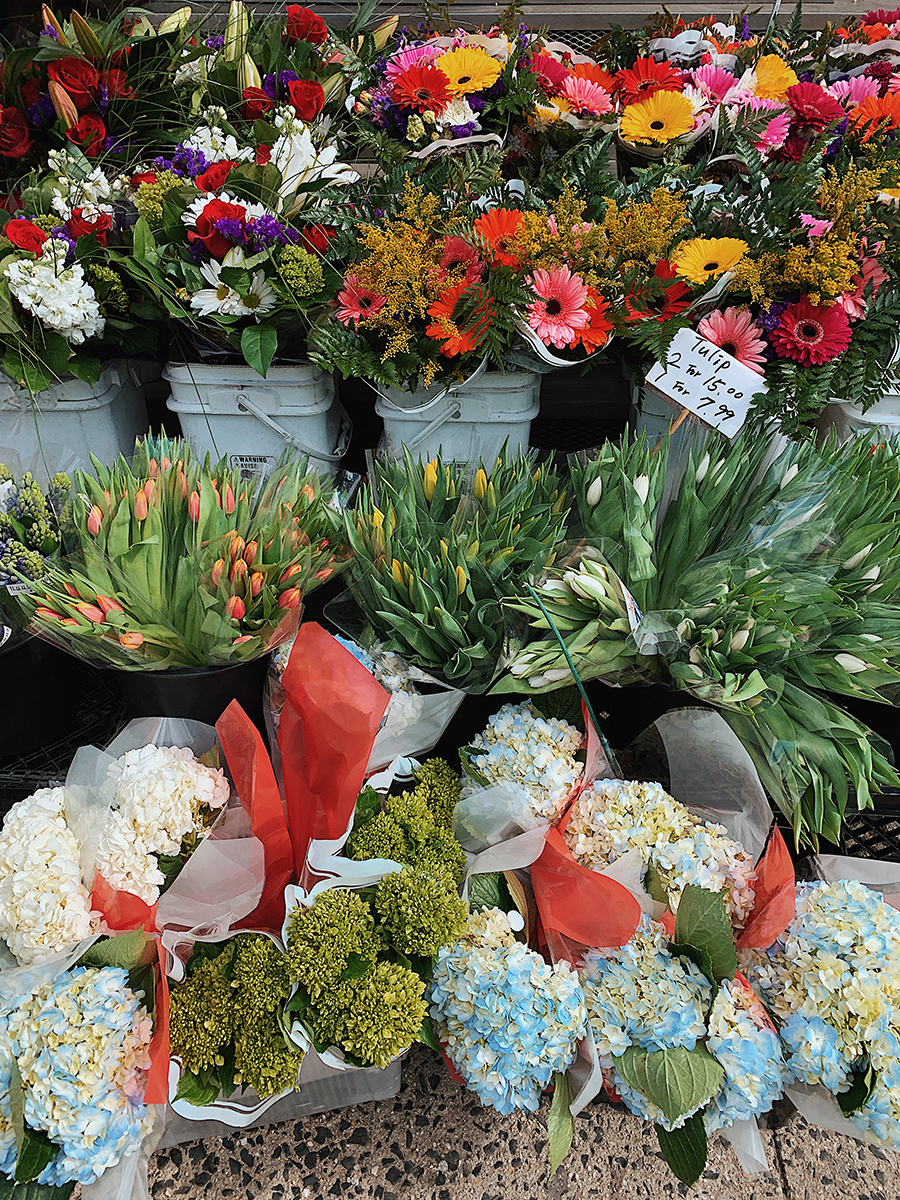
{"x":565,"y":703}
{"x":17,"y":1104}
{"x":864,"y":1079}
{"x":677,"y":1080}
{"x":55,"y":353}
{"x":653,"y":882}
{"x":701,"y":959}
{"x":36,"y":1153}
{"x":144,"y":241}
{"x":560,"y":1122}
{"x":85,"y":367}
{"x":126,"y":950}
{"x":357,"y":966}
{"x":196,"y":1091}
{"x":368,"y":805}
{"x":427,"y":1035}
{"x":484,"y":891}
{"x":685,"y":1149}
{"x":258,"y":345}
{"x":702,"y":921}
{"x":238,"y":278}
{"x":33,"y":1191}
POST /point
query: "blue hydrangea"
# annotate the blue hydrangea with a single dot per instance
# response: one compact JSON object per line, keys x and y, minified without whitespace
{"x":358,"y":653}
{"x":740,"y":1039}
{"x":815,"y":1052}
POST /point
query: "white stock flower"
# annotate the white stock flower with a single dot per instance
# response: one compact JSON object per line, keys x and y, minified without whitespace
{"x":217,"y":146}
{"x":93,"y":193}
{"x":57,"y":296}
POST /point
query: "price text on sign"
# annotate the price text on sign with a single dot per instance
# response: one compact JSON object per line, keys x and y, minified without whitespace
{"x":710,"y":383}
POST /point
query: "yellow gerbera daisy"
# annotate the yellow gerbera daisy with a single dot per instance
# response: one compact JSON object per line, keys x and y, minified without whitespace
{"x":659,"y":119}
{"x":468,"y":69}
{"x":701,"y":259}
{"x":773,"y":77}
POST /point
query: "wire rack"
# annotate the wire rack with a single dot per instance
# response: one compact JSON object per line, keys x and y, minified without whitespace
{"x":548,"y":433}
{"x":875,"y":833}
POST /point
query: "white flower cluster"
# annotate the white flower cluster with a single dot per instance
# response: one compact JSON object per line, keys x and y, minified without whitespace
{"x":533,"y":756}
{"x":43,"y":903}
{"x":614,"y":816}
{"x":833,"y":982}
{"x":300,"y":161}
{"x":92,"y":192}
{"x":217,"y":146}
{"x":161,"y":795}
{"x":192,"y":73}
{"x":57,"y":296}
{"x":81,"y":1043}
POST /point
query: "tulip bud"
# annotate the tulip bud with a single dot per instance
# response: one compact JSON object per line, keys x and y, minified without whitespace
{"x":378,"y":517}
{"x":73,"y":592}
{"x":429,"y":481}
{"x":153,"y":469}
{"x":248,"y":75}
{"x":290,"y":572}
{"x":250,"y":552}
{"x":140,"y":505}
{"x":236,"y":31}
{"x":851,"y":664}
{"x":238,"y":572}
{"x":71,"y":622}
{"x":257,"y":579}
{"x":856,"y":559}
{"x":94,"y":521}
{"x":325,"y":573}
{"x":642,"y":487}
{"x":194,"y":506}
{"x":480,"y":485}
{"x":235,"y":608}
{"x":790,"y":474}
{"x":873,"y":573}
{"x":594,"y":492}
{"x":107,"y":604}
{"x":461,"y":581}
{"x":289,"y":599}
{"x":237,"y":547}
{"x":702,"y":468}
{"x":228,"y":504}
{"x":92,"y":612}
{"x":47,"y":614}
{"x":131,"y":641}
{"x":182,"y":479}
{"x":166,"y":462}
{"x":397,"y":570}
{"x":246,"y":637}
{"x":218,"y":569}
{"x":739,"y":641}
{"x":63,"y":105}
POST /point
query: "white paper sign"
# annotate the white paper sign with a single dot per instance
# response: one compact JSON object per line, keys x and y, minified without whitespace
{"x":708,"y":382}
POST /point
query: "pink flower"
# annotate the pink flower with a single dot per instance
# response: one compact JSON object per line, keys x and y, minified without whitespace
{"x":560,"y":311}
{"x":854,"y":303}
{"x":734,"y":331}
{"x":811,"y":334}
{"x":357,"y":302}
{"x":458,"y":253}
{"x":551,"y":73}
{"x":851,"y":92}
{"x":814,"y":227}
{"x":409,"y":58}
{"x":893,"y":82}
{"x":587,"y":97}
{"x":774,"y":133}
{"x":714,"y":82}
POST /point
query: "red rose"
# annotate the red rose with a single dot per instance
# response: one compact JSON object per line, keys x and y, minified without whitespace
{"x":303,"y":24}
{"x":315,"y":238}
{"x":213,"y":178}
{"x":116,"y":84}
{"x":143,"y":177}
{"x":78,"y":77}
{"x":88,"y":133}
{"x":25,"y":235}
{"x":263,"y":155}
{"x":77,"y":226}
{"x":308,"y":98}
{"x":15,"y":138}
{"x":256,"y":104}
{"x":215,"y":242}
{"x":31,"y":92}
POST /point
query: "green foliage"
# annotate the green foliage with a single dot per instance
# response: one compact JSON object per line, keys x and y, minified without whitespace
{"x":560,"y":1122}
{"x":702,"y":922}
{"x":676,"y":1080}
{"x":685,"y":1149}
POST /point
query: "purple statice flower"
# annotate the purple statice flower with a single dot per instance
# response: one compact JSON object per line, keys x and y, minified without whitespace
{"x":461,"y":131}
{"x":215,"y":41}
{"x":381,"y":65}
{"x":494,"y":91}
{"x":166,"y":164}
{"x":263,"y":232}
{"x":102,"y":99}
{"x":831,"y":150}
{"x":770,"y":317}
{"x":115,"y":145}
{"x":284,"y":78}
{"x":745,"y":29}
{"x":379,"y":213}
{"x":231,"y":228}
{"x":49,"y":31}
{"x":270,"y":86}
{"x":476,"y":104}
{"x":199,"y":252}
{"x":59,"y":233}
{"x":42,"y":112}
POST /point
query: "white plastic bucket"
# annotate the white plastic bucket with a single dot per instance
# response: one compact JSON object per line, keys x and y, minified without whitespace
{"x":72,"y":420}
{"x":849,"y":421}
{"x":231,"y":412}
{"x":465,"y":422}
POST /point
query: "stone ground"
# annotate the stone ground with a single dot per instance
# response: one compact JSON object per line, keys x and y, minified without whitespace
{"x":434,"y":1141}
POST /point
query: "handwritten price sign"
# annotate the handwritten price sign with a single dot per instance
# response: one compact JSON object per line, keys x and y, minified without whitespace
{"x":711,"y":384}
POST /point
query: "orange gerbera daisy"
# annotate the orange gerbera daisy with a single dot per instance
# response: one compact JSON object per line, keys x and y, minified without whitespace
{"x":594,"y":74}
{"x":596,"y":332}
{"x":877,"y":113}
{"x":498,"y":228}
{"x":645,"y":79}
{"x":445,"y":330}
{"x":421,"y":88}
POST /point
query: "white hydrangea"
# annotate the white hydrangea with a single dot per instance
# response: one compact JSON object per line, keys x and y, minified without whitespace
{"x":124,"y":862}
{"x":534,"y":756}
{"x":216,"y":145}
{"x":44,"y":906}
{"x":57,"y":296}
{"x":614,"y":816}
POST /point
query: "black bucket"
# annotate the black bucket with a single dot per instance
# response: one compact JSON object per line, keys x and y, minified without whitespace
{"x":201,"y":695}
{"x":42,"y":688}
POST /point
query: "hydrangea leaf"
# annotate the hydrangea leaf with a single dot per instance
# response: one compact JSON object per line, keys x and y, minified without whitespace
{"x":685,"y":1149}
{"x":702,"y":921}
{"x":34,"y":1191}
{"x":127,"y":950}
{"x":484,"y":891}
{"x":357,"y":966}
{"x":560,"y":1123}
{"x":427,"y":1035}
{"x":565,"y":704}
{"x":367,"y":805}
{"x":17,"y":1103}
{"x":678,"y":1081}
{"x":654,"y":885}
{"x":701,"y":959}
{"x":197,"y":1090}
{"x":860,"y":1091}
{"x":37,"y":1152}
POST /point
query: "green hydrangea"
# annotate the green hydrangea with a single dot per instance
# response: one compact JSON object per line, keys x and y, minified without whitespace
{"x":413,"y":816}
{"x":440,"y":787}
{"x":374,"y":1018}
{"x":443,"y":857}
{"x":301,"y":271}
{"x":5,"y":473}
{"x":420,"y":913}
{"x":260,"y":973}
{"x":321,"y":939}
{"x":379,"y":837}
{"x":201,"y":1013}
{"x":262,"y":1059}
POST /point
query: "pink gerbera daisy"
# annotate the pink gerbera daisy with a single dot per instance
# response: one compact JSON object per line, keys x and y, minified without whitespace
{"x":811,"y":334}
{"x":814,"y":226}
{"x":560,"y":311}
{"x":414,"y":56}
{"x":774,"y":133}
{"x":851,"y":92}
{"x":357,"y":302}
{"x":854,"y":303}
{"x":458,"y":253}
{"x":734,"y":331}
{"x":714,"y":82}
{"x":587,"y":97}
{"x":550,"y":72}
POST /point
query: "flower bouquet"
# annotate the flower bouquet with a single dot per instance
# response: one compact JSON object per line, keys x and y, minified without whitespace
{"x":29,"y":535}
{"x":178,"y":564}
{"x":759,"y":626}
{"x":430,"y":556}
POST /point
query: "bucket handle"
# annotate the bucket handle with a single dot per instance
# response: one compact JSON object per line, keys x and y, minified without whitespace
{"x":452,"y":410}
{"x":245,"y":404}
{"x":453,"y":387}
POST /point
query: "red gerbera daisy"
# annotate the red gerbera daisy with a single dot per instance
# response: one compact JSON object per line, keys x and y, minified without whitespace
{"x":498,"y":228}
{"x":593,"y":74}
{"x":814,"y":109}
{"x":596,"y":332}
{"x":551,"y":73}
{"x":659,"y":299}
{"x":880,"y":16}
{"x":445,"y":330}
{"x":811,"y":334}
{"x":646,"y":78}
{"x":421,"y":88}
